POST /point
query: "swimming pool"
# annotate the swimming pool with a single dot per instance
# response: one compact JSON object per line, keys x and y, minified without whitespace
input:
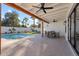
{"x":15,"y":36}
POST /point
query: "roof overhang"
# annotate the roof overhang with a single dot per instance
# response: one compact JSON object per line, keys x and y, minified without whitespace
{"x":13,"y":5}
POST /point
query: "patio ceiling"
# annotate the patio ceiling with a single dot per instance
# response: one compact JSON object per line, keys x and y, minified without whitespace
{"x":59,"y":12}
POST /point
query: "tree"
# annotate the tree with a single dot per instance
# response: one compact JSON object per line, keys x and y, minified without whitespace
{"x":10,"y":19}
{"x":3,"y":23}
{"x":15,"y":19}
{"x":24,"y":22}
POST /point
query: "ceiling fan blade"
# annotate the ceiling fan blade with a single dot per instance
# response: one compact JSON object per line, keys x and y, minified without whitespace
{"x":42,"y":4}
{"x":38,"y":10}
{"x":48,"y":8}
{"x":36,"y":6}
{"x":44,"y":10}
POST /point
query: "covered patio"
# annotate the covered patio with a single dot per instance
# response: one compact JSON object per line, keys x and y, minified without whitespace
{"x":42,"y":44}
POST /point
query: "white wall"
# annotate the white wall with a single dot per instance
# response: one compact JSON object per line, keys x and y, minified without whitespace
{"x":56,"y":26}
{"x":20,"y":29}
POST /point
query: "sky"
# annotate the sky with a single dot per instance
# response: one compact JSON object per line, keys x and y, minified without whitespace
{"x":6,"y":8}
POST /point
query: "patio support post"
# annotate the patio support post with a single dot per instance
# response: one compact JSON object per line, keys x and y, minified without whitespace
{"x":42,"y":32}
{"x":0,"y":28}
{"x":33,"y":20}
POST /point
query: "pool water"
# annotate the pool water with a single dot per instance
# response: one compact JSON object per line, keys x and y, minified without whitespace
{"x":14,"y":36}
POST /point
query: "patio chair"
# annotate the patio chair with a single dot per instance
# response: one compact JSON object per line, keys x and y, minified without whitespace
{"x":57,"y":34}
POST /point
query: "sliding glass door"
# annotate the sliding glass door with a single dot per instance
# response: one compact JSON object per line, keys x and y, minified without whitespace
{"x":73,"y":28}
{"x":77,"y":28}
{"x":69,"y":28}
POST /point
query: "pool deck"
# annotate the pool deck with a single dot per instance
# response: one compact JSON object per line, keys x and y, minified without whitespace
{"x":36,"y":46}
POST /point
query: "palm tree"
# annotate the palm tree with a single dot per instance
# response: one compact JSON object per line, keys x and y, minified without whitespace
{"x":24,"y":22}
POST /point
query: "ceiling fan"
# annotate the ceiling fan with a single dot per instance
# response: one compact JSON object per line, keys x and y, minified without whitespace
{"x":42,"y":8}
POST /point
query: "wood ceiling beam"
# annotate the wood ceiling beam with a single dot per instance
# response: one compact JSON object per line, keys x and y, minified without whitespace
{"x":25,"y":11}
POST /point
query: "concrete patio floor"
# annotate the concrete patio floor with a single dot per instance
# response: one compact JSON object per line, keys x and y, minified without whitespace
{"x":38,"y":46}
